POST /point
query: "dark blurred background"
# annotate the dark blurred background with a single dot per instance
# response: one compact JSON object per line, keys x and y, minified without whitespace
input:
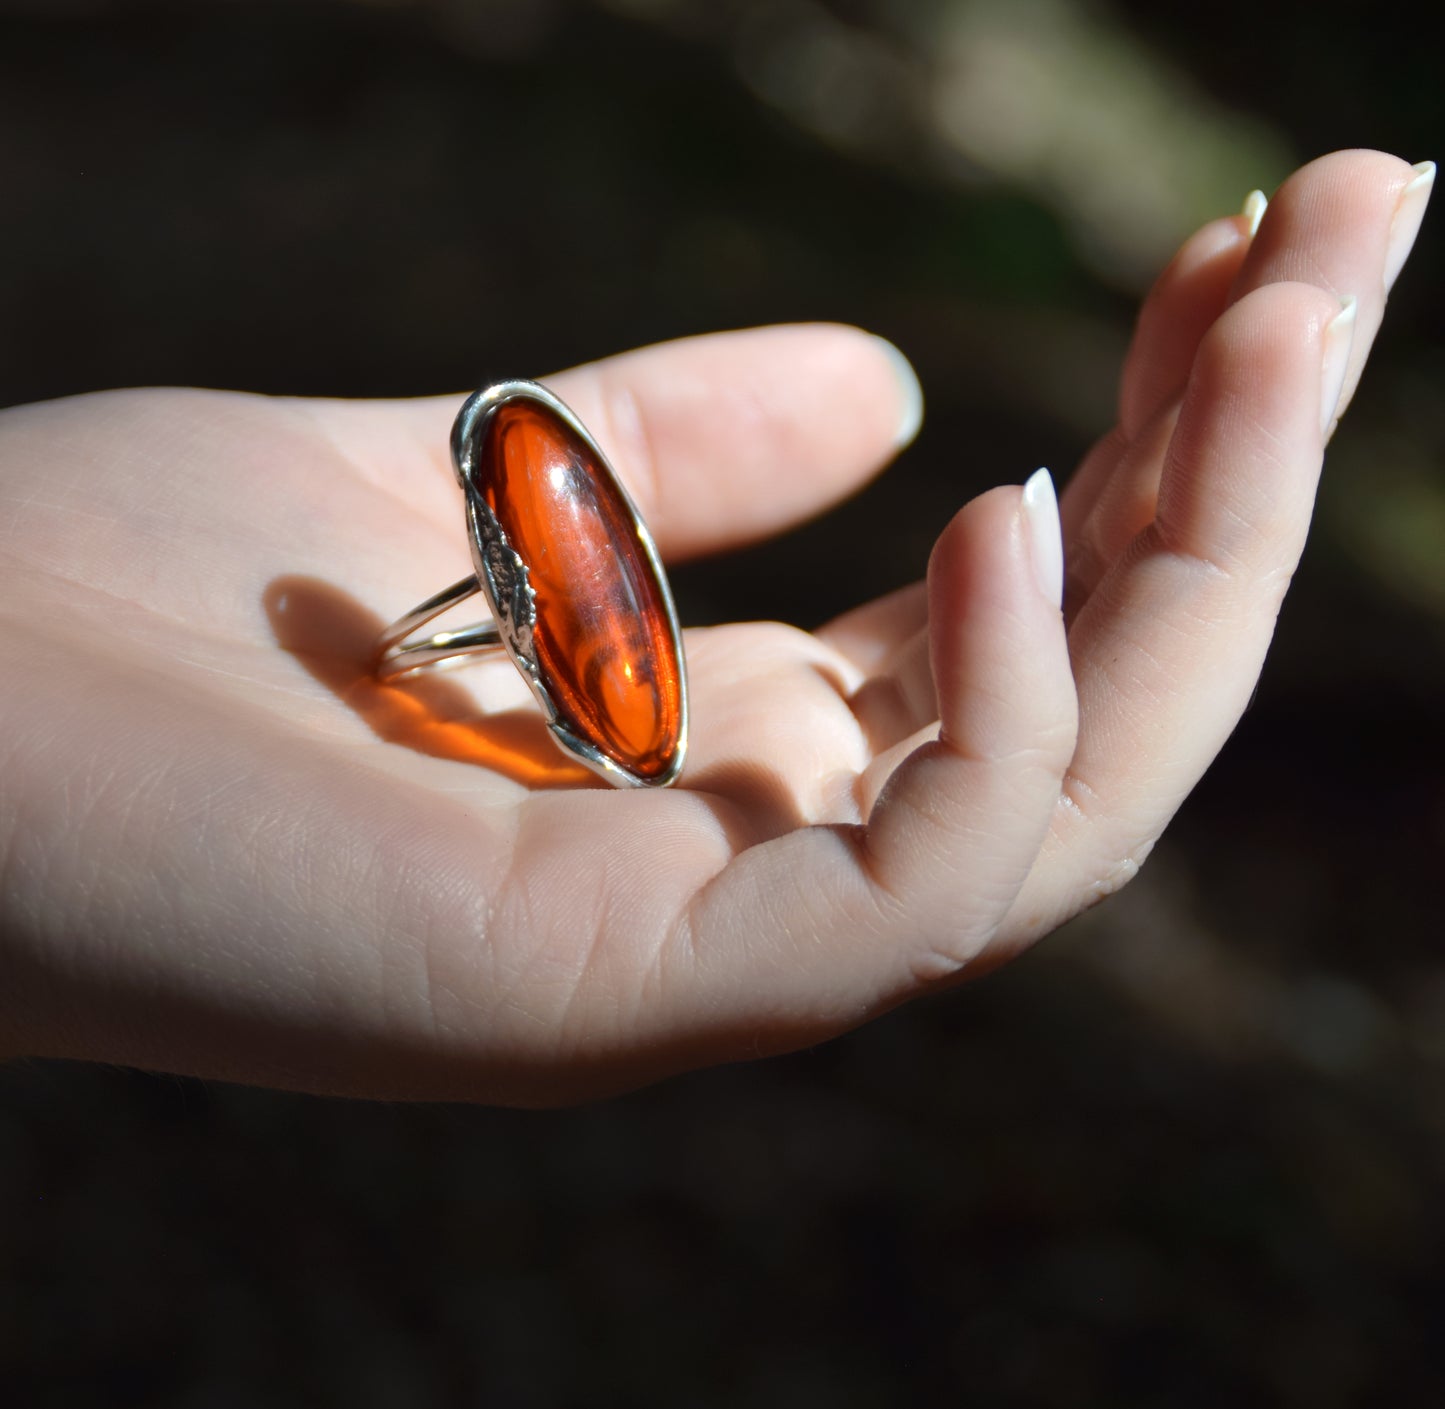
{"x":1190,"y":1151}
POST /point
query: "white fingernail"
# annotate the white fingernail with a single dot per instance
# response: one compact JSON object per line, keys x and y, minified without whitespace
{"x":1046,"y":535}
{"x":1255,"y":205}
{"x":910,"y":394}
{"x":1406,"y":224}
{"x":1339,"y":335}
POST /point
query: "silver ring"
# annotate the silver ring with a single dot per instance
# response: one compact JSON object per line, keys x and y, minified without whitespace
{"x":578,"y":597}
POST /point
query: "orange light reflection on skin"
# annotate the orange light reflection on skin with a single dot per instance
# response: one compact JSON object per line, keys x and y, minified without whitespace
{"x":334,"y":638}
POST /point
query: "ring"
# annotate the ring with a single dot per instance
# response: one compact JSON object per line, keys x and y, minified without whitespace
{"x":574,"y":583}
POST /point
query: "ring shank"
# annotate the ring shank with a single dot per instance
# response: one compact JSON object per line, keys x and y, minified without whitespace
{"x":396,"y":656}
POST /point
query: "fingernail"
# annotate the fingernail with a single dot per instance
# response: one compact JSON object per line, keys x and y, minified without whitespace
{"x":1255,"y":205}
{"x":1046,"y":535}
{"x":1406,"y":224}
{"x":910,"y":395}
{"x":1339,"y":334}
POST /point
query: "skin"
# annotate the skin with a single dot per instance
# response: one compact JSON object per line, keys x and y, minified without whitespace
{"x":225,"y":850}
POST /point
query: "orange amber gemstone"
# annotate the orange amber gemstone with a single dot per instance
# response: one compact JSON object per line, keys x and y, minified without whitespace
{"x":602,"y":635}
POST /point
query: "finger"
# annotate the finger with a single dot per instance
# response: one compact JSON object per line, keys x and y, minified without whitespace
{"x":1088,"y":482}
{"x":887,"y":642}
{"x":967,"y":808}
{"x":899,"y":699}
{"x":870,"y":634}
{"x":865,"y":915}
{"x":719,"y":439}
{"x":767,"y":728}
{"x":1344,"y":223}
{"x":1112,"y":494}
{"x":1123,"y":505}
{"x":1190,"y":294}
{"x":1169,"y":648}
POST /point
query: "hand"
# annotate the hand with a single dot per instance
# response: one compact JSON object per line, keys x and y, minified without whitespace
{"x":228,"y":851}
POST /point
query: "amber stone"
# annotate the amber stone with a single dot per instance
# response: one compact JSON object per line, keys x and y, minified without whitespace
{"x":602,"y":635}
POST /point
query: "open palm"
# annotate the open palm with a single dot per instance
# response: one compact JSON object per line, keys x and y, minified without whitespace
{"x":228,"y":850}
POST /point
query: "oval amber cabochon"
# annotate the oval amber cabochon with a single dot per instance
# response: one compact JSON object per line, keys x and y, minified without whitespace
{"x":603,"y":635}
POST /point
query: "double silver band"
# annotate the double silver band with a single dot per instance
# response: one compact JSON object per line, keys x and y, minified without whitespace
{"x":396,"y":657}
